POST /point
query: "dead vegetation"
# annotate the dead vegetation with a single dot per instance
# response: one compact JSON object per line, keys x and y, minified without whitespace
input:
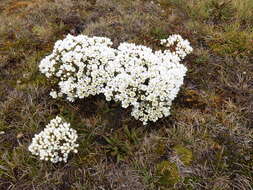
{"x":205,"y":144}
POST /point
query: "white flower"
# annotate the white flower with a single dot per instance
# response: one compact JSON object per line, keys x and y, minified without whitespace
{"x":134,"y":75}
{"x":55,"y":142}
{"x":53,"y":94}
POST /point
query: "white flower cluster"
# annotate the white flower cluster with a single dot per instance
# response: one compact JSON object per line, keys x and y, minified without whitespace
{"x":182,"y":47}
{"x":78,"y":64}
{"x":134,"y":75}
{"x":55,"y":142}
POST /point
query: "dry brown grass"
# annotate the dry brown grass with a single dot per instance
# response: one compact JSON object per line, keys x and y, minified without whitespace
{"x":205,"y":144}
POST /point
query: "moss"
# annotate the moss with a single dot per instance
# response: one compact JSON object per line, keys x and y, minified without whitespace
{"x":160,"y":148}
{"x":184,"y":154}
{"x":168,"y":173}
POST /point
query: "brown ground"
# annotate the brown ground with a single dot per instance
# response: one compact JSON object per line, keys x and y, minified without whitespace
{"x":205,"y":144}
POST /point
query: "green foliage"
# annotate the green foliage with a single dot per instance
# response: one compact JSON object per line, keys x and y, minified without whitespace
{"x":209,"y":129}
{"x":216,"y":11}
{"x":117,"y":148}
{"x":131,"y":135}
{"x":232,"y":42}
{"x":202,"y":59}
{"x":158,"y":33}
{"x":168,"y":173}
{"x":184,"y":154}
{"x":122,"y":145}
{"x":160,"y":148}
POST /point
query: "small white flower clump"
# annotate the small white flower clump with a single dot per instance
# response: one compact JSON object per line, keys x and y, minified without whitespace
{"x":182,"y":47}
{"x":55,"y":142}
{"x":134,"y":75}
